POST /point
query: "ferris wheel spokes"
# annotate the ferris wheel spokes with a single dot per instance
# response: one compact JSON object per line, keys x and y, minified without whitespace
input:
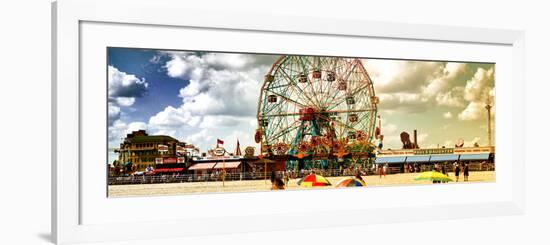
{"x":306,"y":99}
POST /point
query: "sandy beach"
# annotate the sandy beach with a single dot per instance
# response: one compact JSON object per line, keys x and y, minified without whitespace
{"x":261,"y":185}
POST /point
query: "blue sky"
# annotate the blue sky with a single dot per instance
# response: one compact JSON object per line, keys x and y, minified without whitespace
{"x":197,"y":97}
{"x":162,"y":91}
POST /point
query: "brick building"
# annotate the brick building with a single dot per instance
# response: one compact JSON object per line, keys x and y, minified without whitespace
{"x":143,"y":150}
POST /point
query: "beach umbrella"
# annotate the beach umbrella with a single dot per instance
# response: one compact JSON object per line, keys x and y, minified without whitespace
{"x":350,"y":182}
{"x":433,"y":175}
{"x":313,"y":180}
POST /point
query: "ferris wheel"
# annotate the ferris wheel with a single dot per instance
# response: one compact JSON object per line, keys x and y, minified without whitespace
{"x":314,"y":105}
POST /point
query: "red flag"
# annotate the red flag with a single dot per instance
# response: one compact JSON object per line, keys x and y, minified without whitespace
{"x":220,"y":142}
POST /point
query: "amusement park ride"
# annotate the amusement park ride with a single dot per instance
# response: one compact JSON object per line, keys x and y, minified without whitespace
{"x":317,"y":112}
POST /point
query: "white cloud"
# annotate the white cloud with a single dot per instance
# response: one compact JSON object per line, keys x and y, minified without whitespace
{"x":474,"y":111}
{"x":123,"y":89}
{"x":219,"y":83}
{"x":392,"y":141}
{"x":199,"y":138}
{"x":135,"y":126}
{"x":223,"y":121}
{"x":171,"y":117}
{"x":388,"y":128}
{"x":220,"y":99}
{"x":122,"y":84}
{"x":125,"y":101}
{"x":470,"y":143}
{"x":407,"y":102}
{"x":445,"y":80}
{"x":478,"y":88}
{"x":478,"y":91}
{"x":402,"y":76}
{"x":448,"y":115}
{"x":113,"y":113}
{"x":415,"y":86}
{"x":453,"y":69}
{"x":451,"y":98}
{"x":382,"y":71}
{"x":422,"y":138}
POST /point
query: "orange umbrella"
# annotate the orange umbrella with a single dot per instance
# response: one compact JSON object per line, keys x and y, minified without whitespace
{"x":350,"y":182}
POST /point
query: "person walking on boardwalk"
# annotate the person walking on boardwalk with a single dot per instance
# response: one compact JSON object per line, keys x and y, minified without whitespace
{"x":457,"y":170}
{"x":466,"y":172}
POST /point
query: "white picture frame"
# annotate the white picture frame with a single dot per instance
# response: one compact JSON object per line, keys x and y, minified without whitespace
{"x":70,"y":199}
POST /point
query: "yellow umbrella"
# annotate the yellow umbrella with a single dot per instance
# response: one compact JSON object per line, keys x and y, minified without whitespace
{"x":433,"y":175}
{"x":313,"y":180}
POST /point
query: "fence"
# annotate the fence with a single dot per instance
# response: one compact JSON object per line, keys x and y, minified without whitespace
{"x":181,"y":178}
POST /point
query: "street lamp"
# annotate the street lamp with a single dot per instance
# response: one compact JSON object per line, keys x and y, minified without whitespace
{"x":488,"y":107}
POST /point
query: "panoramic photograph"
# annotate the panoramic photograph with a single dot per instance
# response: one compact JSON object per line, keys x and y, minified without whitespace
{"x":199,"y":122}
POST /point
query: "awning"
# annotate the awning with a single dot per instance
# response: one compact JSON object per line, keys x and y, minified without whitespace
{"x":443,"y":158}
{"x":382,"y":160}
{"x":221,"y":165}
{"x":203,"y":166}
{"x":168,"y":170}
{"x":468,"y":157}
{"x":423,"y":158}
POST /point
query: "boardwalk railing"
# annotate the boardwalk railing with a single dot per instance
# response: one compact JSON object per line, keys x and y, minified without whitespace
{"x":181,"y":178}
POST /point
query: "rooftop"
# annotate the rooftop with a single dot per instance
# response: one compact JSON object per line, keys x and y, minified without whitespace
{"x":150,"y":138}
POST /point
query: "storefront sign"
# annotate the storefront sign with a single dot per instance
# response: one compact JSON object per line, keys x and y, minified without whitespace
{"x":162,"y":148}
{"x":433,"y":151}
{"x":249,"y":151}
{"x":170,"y":160}
{"x":220,"y":151}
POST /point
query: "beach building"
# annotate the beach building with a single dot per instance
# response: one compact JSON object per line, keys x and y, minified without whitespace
{"x":142,"y":150}
{"x":479,"y":158}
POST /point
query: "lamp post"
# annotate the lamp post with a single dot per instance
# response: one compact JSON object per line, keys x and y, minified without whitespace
{"x":223,"y":171}
{"x":488,"y":107}
{"x":220,"y":152}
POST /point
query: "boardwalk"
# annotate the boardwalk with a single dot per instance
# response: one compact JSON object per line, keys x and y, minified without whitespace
{"x":261,"y":185}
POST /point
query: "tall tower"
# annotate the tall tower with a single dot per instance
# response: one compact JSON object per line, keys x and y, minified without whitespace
{"x":238,"y":149}
{"x":488,"y":107}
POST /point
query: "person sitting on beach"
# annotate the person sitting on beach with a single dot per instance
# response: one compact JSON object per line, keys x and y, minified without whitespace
{"x":358,"y":176}
{"x":277,"y":184}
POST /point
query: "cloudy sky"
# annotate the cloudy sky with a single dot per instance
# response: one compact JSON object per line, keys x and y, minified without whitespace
{"x":197,"y":97}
